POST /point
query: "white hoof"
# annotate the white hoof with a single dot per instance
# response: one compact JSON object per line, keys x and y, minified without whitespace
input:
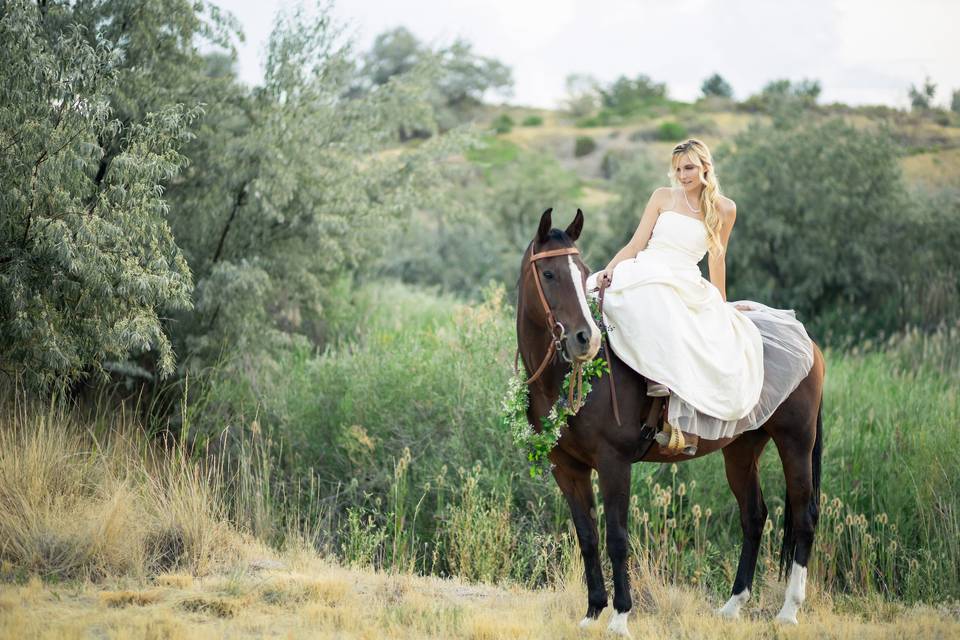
{"x":787,"y":618}
{"x":587,"y":622}
{"x":618,"y":624}
{"x":795,"y":595}
{"x":731,"y":610}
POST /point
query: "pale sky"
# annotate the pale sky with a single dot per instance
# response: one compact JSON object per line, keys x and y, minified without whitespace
{"x":862,"y":51}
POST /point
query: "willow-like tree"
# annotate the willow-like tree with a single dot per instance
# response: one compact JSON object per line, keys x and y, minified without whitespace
{"x":87,"y":259}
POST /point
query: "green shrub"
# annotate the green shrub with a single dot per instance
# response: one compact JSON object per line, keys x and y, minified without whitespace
{"x":583,"y":146}
{"x":532,"y":121}
{"x":671,"y":131}
{"x":503,"y":123}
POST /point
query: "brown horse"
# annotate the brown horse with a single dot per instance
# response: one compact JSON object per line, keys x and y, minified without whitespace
{"x":557,"y":319}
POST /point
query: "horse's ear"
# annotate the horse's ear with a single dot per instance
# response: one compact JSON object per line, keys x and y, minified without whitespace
{"x":545,"y":225}
{"x":576,"y":226}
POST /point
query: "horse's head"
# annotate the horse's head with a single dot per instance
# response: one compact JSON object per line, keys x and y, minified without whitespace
{"x":552,"y":290}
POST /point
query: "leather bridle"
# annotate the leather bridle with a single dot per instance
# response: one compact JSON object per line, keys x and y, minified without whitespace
{"x":557,"y":330}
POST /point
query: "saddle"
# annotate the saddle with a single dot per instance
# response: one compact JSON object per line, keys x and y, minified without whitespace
{"x":672,"y":441}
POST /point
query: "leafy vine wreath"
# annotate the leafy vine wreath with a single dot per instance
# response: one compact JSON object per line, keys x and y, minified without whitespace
{"x":513,"y":415}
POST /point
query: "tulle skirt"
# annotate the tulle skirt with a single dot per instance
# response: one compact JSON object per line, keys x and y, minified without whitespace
{"x":787,"y":359}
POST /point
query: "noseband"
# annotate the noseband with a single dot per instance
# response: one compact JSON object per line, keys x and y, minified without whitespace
{"x":557,"y":330}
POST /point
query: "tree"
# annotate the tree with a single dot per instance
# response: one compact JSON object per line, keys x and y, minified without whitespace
{"x":820,"y":223}
{"x":783,"y":99}
{"x":461,"y":77}
{"x":715,"y":85}
{"x":583,"y":94}
{"x":393,"y":53}
{"x":87,"y":259}
{"x":955,"y":101}
{"x":625,"y":96}
{"x":292,"y":186}
{"x":922,"y":98}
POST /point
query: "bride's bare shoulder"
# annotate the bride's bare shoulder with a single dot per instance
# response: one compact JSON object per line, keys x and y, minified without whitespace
{"x":661,"y":197}
{"x":728,"y":208}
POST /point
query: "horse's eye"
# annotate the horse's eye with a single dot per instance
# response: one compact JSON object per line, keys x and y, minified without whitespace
{"x":548,"y":275}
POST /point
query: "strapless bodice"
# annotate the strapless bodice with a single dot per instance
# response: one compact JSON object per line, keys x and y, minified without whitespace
{"x":678,"y":238}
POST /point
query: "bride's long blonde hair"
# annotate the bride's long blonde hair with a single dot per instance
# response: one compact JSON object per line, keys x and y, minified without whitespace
{"x":709,"y":195}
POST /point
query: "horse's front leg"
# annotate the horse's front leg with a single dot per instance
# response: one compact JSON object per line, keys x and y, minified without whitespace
{"x":614,"y":474}
{"x":573,"y":479}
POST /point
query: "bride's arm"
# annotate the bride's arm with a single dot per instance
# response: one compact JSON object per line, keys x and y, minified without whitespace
{"x":642,"y":235}
{"x":717,"y":264}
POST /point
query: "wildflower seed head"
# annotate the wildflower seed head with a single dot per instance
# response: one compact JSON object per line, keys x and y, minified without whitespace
{"x":682,"y":489}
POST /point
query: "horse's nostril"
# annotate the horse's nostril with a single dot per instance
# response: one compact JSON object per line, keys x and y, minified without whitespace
{"x":582,"y":337}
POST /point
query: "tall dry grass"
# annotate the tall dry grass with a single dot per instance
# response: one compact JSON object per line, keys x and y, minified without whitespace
{"x":84,"y":502}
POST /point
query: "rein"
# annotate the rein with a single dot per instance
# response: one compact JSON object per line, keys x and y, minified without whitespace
{"x":574,"y":401}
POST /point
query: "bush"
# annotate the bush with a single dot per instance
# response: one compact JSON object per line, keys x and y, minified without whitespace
{"x":834,"y":235}
{"x":503,"y":123}
{"x":532,"y":121}
{"x":671,"y":131}
{"x":583,"y":146}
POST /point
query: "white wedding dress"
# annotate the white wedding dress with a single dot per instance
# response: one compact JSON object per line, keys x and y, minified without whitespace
{"x":727,"y":370}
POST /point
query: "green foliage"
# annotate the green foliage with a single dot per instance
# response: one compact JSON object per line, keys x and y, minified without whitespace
{"x":87,"y":260}
{"x":480,"y":234}
{"x":583,"y":95}
{"x":625,"y":96}
{"x":533,"y":120}
{"x":670,"y":131}
{"x":503,"y":123}
{"x":602,"y":119}
{"x":829,"y":223}
{"x":634,"y":180}
{"x":493,"y":152}
{"x":716,"y":86}
{"x":539,"y":444}
{"x":460,"y":77}
{"x":583,"y":146}
{"x":784,"y":99}
{"x":922,"y":97}
{"x":291,"y":190}
{"x":955,"y":101}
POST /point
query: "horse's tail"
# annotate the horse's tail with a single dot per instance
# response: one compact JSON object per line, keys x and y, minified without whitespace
{"x":789,"y":542}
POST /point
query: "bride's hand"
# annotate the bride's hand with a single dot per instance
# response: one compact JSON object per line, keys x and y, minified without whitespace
{"x":606,"y":274}
{"x":743,"y":307}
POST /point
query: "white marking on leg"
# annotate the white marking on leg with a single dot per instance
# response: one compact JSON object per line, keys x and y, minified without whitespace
{"x":587,"y":622}
{"x":618,"y":624}
{"x":796,"y":594}
{"x":577,"y":276}
{"x":731,"y":610}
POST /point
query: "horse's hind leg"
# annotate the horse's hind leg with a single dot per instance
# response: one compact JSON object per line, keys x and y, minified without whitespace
{"x":574,"y":482}
{"x":741,"y":458}
{"x":800,"y":453}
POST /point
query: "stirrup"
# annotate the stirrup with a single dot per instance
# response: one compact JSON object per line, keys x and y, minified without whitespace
{"x":672,"y":441}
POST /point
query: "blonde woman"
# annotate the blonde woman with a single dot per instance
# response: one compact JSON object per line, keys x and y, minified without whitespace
{"x":672,"y":325}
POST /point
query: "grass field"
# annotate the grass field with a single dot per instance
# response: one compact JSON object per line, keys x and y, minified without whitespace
{"x":305,"y":597}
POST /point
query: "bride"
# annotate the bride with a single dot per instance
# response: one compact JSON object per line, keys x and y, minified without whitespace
{"x":677,"y":329}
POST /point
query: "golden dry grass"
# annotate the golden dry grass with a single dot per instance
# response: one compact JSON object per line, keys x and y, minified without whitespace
{"x":311,"y":598}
